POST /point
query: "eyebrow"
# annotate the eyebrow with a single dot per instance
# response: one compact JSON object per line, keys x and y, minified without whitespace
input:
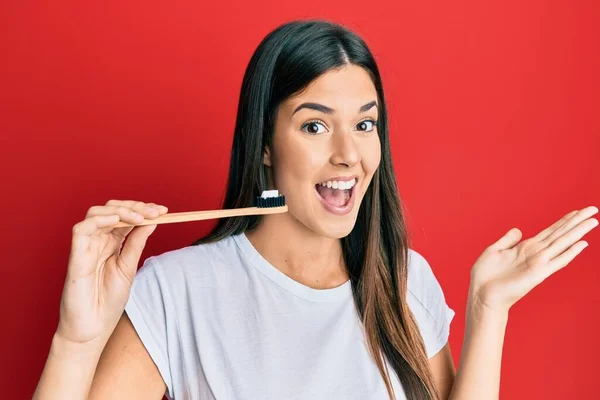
{"x":328,"y":110}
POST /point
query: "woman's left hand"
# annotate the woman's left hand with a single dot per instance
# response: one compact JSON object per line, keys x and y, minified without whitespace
{"x":507,"y":270}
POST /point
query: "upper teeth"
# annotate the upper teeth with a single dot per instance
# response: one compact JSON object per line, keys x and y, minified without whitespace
{"x":342,"y":185}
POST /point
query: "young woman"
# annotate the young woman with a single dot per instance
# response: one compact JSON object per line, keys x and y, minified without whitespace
{"x":325,"y":301}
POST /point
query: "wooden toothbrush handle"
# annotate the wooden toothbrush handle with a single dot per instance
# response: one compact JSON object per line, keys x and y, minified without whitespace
{"x":203,"y":215}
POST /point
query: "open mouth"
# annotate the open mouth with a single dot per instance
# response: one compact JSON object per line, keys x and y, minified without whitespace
{"x":337,"y":195}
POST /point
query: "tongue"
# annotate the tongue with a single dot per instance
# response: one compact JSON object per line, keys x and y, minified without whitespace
{"x":335,"y":197}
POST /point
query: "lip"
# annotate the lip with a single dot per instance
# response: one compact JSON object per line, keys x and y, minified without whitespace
{"x":335,"y":209}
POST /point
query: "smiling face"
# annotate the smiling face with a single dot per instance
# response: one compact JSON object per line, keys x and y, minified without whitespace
{"x":325,"y":150}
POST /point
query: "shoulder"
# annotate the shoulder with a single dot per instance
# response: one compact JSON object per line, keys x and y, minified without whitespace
{"x":204,"y":265}
{"x":192,"y":255}
{"x":427,"y":302}
{"x":422,"y":282}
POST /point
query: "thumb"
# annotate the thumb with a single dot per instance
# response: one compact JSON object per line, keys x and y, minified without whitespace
{"x":510,"y":239}
{"x":132,"y":250}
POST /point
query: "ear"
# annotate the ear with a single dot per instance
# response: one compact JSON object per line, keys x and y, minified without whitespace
{"x":267,"y":156}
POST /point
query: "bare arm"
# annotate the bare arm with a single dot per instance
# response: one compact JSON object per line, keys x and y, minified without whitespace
{"x":478,"y":374}
{"x":442,"y":368}
{"x":125,"y":369}
{"x":69,"y":370}
{"x":122,"y":369}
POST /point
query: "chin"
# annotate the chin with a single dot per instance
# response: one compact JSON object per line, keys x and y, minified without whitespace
{"x":337,"y":230}
{"x":338,"y":226}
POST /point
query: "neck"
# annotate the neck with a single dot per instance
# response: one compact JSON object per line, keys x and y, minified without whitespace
{"x":303,"y":255}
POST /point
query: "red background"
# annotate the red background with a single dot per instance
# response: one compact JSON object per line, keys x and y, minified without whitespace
{"x":494,"y":123}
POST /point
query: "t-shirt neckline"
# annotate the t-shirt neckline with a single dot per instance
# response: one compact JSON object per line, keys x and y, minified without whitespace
{"x":261,"y":264}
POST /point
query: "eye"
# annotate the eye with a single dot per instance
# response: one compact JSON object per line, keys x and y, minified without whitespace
{"x":367,"y":125}
{"x":313,"y":127}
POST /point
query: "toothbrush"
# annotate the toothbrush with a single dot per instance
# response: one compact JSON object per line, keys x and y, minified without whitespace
{"x":269,"y":202}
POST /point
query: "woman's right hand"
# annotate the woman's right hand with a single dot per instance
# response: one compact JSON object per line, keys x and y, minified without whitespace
{"x":100,"y":273}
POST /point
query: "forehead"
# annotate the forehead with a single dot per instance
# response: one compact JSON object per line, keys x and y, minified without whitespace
{"x":342,"y":89}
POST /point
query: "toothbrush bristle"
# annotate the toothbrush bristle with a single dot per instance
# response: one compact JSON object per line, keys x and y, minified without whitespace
{"x":266,"y":202}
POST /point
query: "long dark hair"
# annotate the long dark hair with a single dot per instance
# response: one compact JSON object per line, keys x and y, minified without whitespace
{"x":376,"y":251}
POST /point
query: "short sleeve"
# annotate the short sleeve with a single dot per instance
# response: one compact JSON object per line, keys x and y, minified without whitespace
{"x":152,"y":314}
{"x":427,"y":302}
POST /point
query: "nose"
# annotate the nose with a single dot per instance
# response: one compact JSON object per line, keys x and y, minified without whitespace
{"x":345,"y":150}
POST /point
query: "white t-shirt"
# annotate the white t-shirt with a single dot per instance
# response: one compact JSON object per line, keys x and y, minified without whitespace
{"x":221,"y":322}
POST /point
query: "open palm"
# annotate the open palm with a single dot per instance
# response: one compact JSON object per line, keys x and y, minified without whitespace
{"x":508,"y":269}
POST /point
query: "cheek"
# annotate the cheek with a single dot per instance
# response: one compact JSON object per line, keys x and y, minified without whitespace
{"x":295,"y":163}
{"x":371,"y":156}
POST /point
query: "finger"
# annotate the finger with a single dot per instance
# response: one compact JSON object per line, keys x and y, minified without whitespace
{"x":132,"y":251}
{"x":582,"y":215}
{"x":83,"y":230}
{"x":510,"y":239}
{"x":127,"y":214}
{"x":139,"y":213}
{"x":134,"y":204}
{"x":162,"y":209}
{"x":146,"y":209}
{"x":548,"y":231}
{"x":91,"y":225}
{"x":100,"y":219}
{"x":568,"y":238}
{"x":564,"y":259}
